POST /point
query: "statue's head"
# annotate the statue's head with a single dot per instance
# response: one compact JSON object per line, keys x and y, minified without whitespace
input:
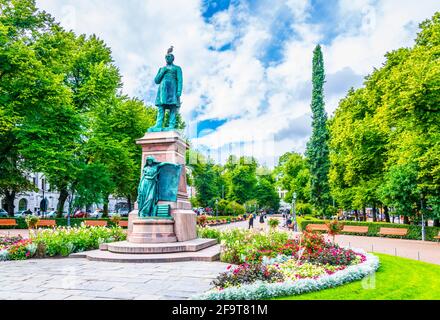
{"x":150,"y":161}
{"x":169,"y":58}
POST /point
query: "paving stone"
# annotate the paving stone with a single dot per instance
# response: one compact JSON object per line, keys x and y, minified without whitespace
{"x":78,"y":298}
{"x":109,"y":295}
{"x":53,"y":297}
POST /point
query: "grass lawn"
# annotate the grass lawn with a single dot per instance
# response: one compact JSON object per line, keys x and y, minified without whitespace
{"x":396,"y":279}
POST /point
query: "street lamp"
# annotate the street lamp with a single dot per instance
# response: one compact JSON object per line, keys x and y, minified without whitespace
{"x":216,"y":208}
{"x":295,"y":226}
{"x":69,"y":209}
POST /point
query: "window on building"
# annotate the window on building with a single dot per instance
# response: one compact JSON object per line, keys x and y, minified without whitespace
{"x":22,"y":205}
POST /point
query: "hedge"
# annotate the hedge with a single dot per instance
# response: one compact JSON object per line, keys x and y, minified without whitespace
{"x":62,"y":222}
{"x":414,"y":231}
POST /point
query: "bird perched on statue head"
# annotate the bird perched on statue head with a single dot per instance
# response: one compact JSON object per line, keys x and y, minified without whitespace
{"x":170,"y":50}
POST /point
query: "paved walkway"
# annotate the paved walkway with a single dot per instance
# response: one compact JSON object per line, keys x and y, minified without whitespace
{"x":418,"y":250}
{"x":14,"y":232}
{"x":80,"y":279}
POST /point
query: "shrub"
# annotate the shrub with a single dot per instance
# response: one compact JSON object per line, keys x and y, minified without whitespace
{"x":334,"y":228}
{"x":222,"y":205}
{"x":304,"y":208}
{"x":64,"y":241}
{"x":208,"y":233}
{"x":273,"y":223}
{"x":234,"y":208}
{"x":115,"y":219}
{"x":32,"y":221}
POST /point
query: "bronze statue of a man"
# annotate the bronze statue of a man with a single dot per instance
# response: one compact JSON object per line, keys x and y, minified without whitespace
{"x":170,"y":81}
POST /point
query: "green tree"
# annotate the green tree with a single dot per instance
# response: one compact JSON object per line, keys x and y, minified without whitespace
{"x":293,"y":175}
{"x":23,"y":80}
{"x":112,"y":142}
{"x":207,"y":179}
{"x":266,"y":194}
{"x":242,"y":180}
{"x":317,"y":148}
{"x":385,"y":136}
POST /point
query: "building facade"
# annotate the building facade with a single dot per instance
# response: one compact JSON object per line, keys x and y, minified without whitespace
{"x":34,"y":201}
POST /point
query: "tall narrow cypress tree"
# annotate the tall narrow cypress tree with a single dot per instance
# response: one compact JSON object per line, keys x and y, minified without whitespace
{"x":317,"y":148}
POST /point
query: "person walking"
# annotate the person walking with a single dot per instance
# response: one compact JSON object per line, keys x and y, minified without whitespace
{"x":251,"y":221}
{"x":262,"y":220}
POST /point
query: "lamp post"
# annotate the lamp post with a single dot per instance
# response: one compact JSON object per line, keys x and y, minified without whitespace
{"x":295,"y":226}
{"x":70,"y":209}
{"x":43,"y":186}
{"x":216,"y":208}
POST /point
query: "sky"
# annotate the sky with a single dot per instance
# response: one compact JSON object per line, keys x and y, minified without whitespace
{"x":247,"y":64}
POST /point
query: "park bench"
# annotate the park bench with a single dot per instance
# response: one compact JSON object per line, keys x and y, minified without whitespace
{"x":8,"y":223}
{"x":438,"y":237}
{"x":123,"y":224}
{"x":355,"y":229}
{"x":317,"y":227}
{"x":95,"y":223}
{"x":47,"y":223}
{"x":393,"y":231}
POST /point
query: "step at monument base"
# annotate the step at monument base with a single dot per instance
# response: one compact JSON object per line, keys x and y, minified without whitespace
{"x":209,"y":254}
{"x":124,"y":251}
{"x":156,"y":248}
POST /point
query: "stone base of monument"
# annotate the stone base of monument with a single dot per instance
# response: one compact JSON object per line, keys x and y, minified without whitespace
{"x":193,"y":250}
{"x":152,"y":231}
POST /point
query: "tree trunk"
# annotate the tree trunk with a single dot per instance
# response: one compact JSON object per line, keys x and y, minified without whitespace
{"x":9,"y":199}
{"x":105,"y":208}
{"x":130,"y":205}
{"x":386,"y":213}
{"x":374,"y":213}
{"x":436,"y":222}
{"x":61,"y":201}
{"x":356,"y":215}
{"x":405,"y":220}
{"x":364,"y":213}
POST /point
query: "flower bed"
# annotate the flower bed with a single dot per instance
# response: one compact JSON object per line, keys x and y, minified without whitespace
{"x":16,"y":248}
{"x":265,"y":290}
{"x":204,"y":220}
{"x":265,"y":265}
{"x":61,"y":241}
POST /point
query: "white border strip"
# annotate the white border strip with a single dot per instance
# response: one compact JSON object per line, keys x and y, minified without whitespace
{"x":261,"y":290}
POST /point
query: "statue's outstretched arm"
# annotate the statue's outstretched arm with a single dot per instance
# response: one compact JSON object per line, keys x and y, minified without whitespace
{"x":160,"y":75}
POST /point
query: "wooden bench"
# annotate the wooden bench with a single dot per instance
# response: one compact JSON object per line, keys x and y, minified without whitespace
{"x":438,"y":237}
{"x":393,"y":231}
{"x":355,"y":229}
{"x":8,"y":223}
{"x":123,"y":223}
{"x":95,"y":223}
{"x":47,"y":223}
{"x":317,"y":227}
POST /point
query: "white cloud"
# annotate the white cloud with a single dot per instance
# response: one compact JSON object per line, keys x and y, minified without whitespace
{"x":259,"y":101}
